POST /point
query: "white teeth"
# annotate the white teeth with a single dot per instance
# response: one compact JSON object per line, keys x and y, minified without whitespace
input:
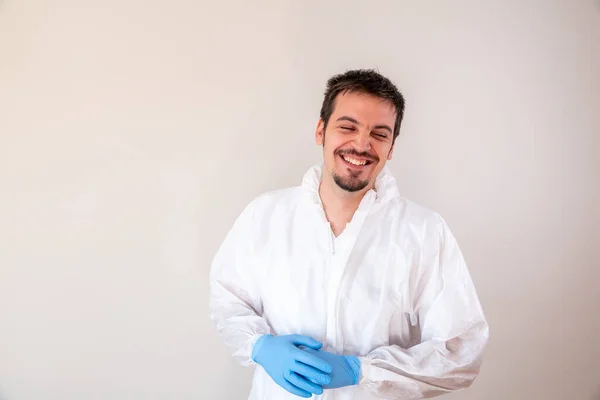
{"x":353,"y":161}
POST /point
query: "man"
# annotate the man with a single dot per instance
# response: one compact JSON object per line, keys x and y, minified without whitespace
{"x":341,"y":288}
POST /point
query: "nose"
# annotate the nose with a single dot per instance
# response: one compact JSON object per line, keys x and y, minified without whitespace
{"x":363,"y":141}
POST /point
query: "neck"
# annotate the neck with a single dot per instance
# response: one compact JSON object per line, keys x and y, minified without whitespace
{"x":339,"y":205}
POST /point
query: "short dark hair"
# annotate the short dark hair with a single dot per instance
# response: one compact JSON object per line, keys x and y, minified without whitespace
{"x":366,"y":81}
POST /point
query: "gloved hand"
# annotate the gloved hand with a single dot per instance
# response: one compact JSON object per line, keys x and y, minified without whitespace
{"x":290,"y":367}
{"x":345,"y":369}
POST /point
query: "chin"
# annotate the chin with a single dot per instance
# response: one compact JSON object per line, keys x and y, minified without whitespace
{"x":351,"y":182}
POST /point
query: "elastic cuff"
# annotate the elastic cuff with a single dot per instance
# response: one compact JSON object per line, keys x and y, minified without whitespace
{"x":364,"y":367}
{"x":257,"y":345}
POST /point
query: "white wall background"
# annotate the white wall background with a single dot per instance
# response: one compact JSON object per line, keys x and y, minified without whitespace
{"x":133,"y":132}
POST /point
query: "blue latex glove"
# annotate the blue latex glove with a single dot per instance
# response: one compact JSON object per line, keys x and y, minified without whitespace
{"x":291,"y":367}
{"x":345,"y":369}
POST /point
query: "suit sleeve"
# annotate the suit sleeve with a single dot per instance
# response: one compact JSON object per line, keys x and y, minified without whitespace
{"x":235,"y":301}
{"x":451,"y":324}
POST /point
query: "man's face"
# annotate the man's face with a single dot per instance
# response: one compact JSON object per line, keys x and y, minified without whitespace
{"x":358,"y":139}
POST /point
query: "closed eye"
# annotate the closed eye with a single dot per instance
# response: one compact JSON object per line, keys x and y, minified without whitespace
{"x":347,"y":128}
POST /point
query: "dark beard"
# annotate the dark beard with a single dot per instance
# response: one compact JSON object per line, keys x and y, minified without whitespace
{"x":351,"y":184}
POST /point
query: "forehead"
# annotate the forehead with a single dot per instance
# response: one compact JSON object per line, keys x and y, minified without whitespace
{"x":364,"y":107}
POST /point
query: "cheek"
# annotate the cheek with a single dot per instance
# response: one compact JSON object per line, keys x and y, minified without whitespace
{"x":332,"y":145}
{"x":383,"y":151}
{"x":329,"y":151}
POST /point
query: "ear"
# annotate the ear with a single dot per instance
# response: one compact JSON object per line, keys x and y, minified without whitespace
{"x":389,"y":157}
{"x":320,"y":133}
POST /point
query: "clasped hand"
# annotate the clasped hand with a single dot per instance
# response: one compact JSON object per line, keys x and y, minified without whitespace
{"x":296,"y":363}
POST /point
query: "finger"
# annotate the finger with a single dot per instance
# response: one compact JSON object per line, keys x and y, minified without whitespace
{"x":294,"y":389}
{"x":301,"y":340}
{"x":311,"y":373}
{"x":302,"y":383}
{"x":312,"y":360}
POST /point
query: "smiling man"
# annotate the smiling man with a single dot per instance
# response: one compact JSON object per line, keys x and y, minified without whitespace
{"x":341,"y":288}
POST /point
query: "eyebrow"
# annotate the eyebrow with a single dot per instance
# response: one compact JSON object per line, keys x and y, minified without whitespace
{"x":350,"y":119}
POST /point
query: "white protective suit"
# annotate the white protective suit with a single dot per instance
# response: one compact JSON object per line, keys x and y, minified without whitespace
{"x":392,"y":289}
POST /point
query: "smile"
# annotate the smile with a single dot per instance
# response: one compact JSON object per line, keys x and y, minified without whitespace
{"x":355,"y":161}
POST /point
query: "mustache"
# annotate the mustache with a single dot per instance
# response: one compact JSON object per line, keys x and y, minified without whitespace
{"x":362,"y":154}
